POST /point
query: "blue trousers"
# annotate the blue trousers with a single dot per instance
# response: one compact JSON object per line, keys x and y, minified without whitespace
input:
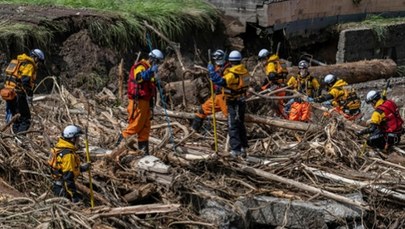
{"x":236,"y":124}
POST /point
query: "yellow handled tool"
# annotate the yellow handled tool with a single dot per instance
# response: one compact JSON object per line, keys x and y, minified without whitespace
{"x":213,"y":107}
{"x":86,"y":136}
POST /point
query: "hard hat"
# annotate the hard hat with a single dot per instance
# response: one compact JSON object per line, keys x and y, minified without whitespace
{"x":156,"y":54}
{"x":235,"y":56}
{"x":219,"y":57}
{"x":37,"y":53}
{"x":329,"y":79}
{"x":372,"y":95}
{"x":71,"y":131}
{"x":264,"y":53}
{"x":303,"y":64}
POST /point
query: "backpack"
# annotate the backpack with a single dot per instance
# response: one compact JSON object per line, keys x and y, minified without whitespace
{"x":349,"y":100}
{"x":393,"y":119}
{"x":53,"y":160}
{"x":12,"y":68}
{"x":139,"y":90}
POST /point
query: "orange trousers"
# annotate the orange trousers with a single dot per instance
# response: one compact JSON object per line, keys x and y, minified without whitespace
{"x":206,"y":108}
{"x":300,"y":111}
{"x":139,"y":115}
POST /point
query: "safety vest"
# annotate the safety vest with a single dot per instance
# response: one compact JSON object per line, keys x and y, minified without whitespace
{"x":306,"y":85}
{"x":238,"y":87}
{"x":393,"y":120}
{"x":143,"y":89}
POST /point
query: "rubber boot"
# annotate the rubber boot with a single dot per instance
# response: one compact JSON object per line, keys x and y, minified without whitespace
{"x":197,"y":123}
{"x":120,"y":137}
{"x":144,"y":146}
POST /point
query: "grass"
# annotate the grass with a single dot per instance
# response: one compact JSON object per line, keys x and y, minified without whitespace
{"x":173,"y":18}
{"x":377,"y":23}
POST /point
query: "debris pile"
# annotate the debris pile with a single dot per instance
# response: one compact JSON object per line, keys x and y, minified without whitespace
{"x":295,"y":175}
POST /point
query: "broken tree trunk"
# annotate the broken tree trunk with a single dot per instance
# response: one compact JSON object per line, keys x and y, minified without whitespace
{"x":282,"y":123}
{"x":355,"y":72}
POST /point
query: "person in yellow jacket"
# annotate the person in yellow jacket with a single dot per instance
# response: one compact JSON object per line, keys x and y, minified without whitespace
{"x":344,"y":99}
{"x":65,"y":164}
{"x":385,"y":127}
{"x":235,"y":85}
{"x":141,"y":91}
{"x":221,"y":67}
{"x":276,"y":74}
{"x":20,"y":79}
{"x":298,"y":109}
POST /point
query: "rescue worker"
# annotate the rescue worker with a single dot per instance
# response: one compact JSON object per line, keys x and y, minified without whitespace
{"x":235,"y":83}
{"x":298,"y":109}
{"x":276,"y":74}
{"x":221,"y":67}
{"x":19,"y":84}
{"x":343,"y":99}
{"x":385,"y":128}
{"x":141,"y":92}
{"x":65,"y":164}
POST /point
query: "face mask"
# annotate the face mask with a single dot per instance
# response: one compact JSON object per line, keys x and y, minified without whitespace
{"x":303,"y":72}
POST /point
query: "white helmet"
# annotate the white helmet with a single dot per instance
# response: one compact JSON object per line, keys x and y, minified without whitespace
{"x":156,"y":54}
{"x":303,"y":64}
{"x":372,"y":95}
{"x":72,"y":131}
{"x":263,"y":53}
{"x":37,"y":53}
{"x":235,"y":56}
{"x":329,"y":79}
{"x":219,"y":57}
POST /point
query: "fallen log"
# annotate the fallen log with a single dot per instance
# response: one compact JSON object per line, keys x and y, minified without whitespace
{"x":360,"y":184}
{"x":136,"y":210}
{"x":303,"y":186}
{"x":355,"y":72}
{"x":282,"y":123}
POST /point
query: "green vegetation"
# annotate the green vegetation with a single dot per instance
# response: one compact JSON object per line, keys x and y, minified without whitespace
{"x":377,"y":23}
{"x":173,"y":18}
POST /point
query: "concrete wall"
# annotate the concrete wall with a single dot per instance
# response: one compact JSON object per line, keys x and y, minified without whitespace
{"x":364,"y":43}
{"x":298,"y":17}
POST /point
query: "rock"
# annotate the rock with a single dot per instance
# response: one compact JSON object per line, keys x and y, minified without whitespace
{"x":264,"y":210}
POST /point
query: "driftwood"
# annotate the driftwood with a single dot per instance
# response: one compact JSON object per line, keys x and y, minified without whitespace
{"x":355,"y":72}
{"x":137,"y":210}
{"x":380,"y":188}
{"x":304,"y":187}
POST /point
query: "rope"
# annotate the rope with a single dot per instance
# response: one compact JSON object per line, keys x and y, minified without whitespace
{"x":162,"y":97}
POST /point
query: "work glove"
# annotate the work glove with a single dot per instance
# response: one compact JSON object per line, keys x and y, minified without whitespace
{"x":154,"y":68}
{"x":211,"y":68}
{"x":29,"y":99}
{"x":359,"y":133}
{"x":310,"y":99}
{"x":85,"y":167}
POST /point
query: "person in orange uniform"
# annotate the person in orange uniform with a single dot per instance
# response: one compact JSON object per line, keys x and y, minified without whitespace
{"x":276,"y":74}
{"x":221,"y":67}
{"x":141,"y":91}
{"x":298,"y":109}
{"x":386,"y":123}
{"x":20,"y":82}
{"x":65,"y":164}
{"x":235,"y":84}
{"x":344,"y":99}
